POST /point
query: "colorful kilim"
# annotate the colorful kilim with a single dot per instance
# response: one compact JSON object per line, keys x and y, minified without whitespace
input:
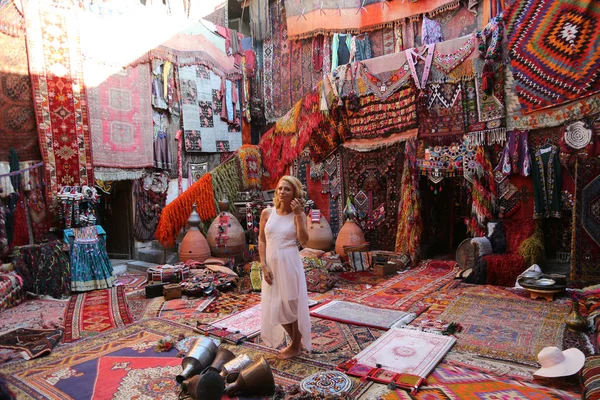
{"x":403,"y":291}
{"x":448,"y":62}
{"x":183,"y":310}
{"x":55,"y":67}
{"x":451,"y":382}
{"x":585,"y":244}
{"x":227,"y":304}
{"x":444,"y":112}
{"x":333,"y":168}
{"x":121,"y":118}
{"x":17,"y":128}
{"x":377,"y":174}
{"x":94,"y":312}
{"x":384,"y":85}
{"x":307,"y":18}
{"x":553,"y":48}
{"x":377,"y":118}
{"x":36,"y":314}
{"x":120,"y":365}
{"x":527,"y":326}
{"x":250,"y":165}
{"x":31,"y":343}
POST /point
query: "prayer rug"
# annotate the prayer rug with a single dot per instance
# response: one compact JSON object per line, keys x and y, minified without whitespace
{"x":452,"y":382}
{"x":586,"y":222}
{"x":34,"y":314}
{"x":17,"y":128}
{"x":183,"y":310}
{"x":94,"y":312}
{"x":308,"y":18}
{"x":55,"y":68}
{"x":131,"y":281}
{"x":31,"y":343}
{"x":372,"y":178}
{"x":357,"y":314}
{"x":553,"y":53}
{"x":509,"y":329}
{"x":246,"y":322}
{"x":400,"y":351}
{"x":121,"y":117}
{"x":405,"y":290}
{"x":121,"y":364}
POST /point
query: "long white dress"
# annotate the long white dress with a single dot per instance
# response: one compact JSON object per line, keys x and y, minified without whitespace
{"x":286,"y":300}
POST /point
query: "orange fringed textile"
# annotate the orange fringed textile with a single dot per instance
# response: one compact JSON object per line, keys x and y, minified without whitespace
{"x":250,"y":163}
{"x":410,"y":224}
{"x":483,"y":195}
{"x":176,"y":213}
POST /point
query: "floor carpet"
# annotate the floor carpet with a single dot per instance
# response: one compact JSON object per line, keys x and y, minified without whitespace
{"x":184,"y":309}
{"x":405,"y":290}
{"x":451,"y":382}
{"x":359,"y":314}
{"x":94,"y":312}
{"x":34,"y":314}
{"x":131,"y":281}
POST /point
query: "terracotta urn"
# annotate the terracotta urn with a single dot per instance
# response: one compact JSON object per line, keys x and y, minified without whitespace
{"x":225,"y":236}
{"x":349,"y":235}
{"x":194,"y":246}
{"x":320,"y":236}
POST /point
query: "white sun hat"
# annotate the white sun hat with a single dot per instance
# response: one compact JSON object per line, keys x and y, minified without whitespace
{"x":557,"y":363}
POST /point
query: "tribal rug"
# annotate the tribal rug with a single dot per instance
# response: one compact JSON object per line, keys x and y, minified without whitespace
{"x":121,"y":118}
{"x":34,"y":314}
{"x":358,"y":314}
{"x":138,"y":304}
{"x":131,"y":281}
{"x":17,"y":127}
{"x":184,"y":310}
{"x":56,"y":71}
{"x":31,"y":343}
{"x":452,"y":382}
{"x":508,"y":329}
{"x":93,"y":312}
{"x":372,"y":178}
{"x":406,"y":290}
{"x":553,"y":50}
{"x":586,"y":222}
{"x":443,"y":118}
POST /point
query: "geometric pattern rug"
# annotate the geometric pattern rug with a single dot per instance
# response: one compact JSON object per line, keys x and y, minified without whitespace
{"x":451,"y":382}
{"x":508,"y":329}
{"x":94,"y":312}
{"x":405,"y":290}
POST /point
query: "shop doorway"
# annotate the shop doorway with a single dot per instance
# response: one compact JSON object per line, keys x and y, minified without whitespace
{"x":444,"y":207}
{"x":116,"y":217}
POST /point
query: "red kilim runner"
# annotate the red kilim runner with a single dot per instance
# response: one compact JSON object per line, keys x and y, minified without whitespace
{"x":94,"y":312}
{"x":55,"y":68}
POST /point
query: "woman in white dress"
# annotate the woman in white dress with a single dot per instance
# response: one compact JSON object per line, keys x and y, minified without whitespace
{"x":284,"y":299}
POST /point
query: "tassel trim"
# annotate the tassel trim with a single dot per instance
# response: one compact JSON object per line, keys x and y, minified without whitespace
{"x":488,"y":136}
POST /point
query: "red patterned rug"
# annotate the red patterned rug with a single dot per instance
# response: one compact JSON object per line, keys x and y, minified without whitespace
{"x":55,"y":67}
{"x":184,"y":310}
{"x":34,"y":314}
{"x":94,"y":312}
{"x":405,"y":290}
{"x":131,"y":281}
{"x":451,"y":382}
{"x":121,"y":118}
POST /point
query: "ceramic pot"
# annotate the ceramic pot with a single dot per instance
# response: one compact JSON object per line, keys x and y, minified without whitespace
{"x":349,"y":235}
{"x":320,"y":236}
{"x":226,"y":224}
{"x":194,"y":246}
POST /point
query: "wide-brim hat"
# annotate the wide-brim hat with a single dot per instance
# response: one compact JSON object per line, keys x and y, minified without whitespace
{"x":557,"y":363}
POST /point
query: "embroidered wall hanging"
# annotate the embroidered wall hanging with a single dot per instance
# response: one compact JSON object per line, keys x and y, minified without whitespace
{"x":201,"y":107}
{"x":578,"y":135}
{"x":553,"y":49}
{"x":377,"y":175}
{"x":443,"y":116}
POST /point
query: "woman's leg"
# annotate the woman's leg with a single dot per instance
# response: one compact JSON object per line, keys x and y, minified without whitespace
{"x":295,"y":348}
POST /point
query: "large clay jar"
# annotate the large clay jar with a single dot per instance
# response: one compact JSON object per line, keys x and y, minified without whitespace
{"x":349,"y":235}
{"x":225,"y":236}
{"x":194,"y":245}
{"x":320,"y":236}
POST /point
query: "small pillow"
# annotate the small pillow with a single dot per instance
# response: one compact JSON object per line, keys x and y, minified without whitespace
{"x":495,"y":233}
{"x":215,"y":261}
{"x":311,"y":263}
{"x":314,"y":253}
{"x":590,"y":378}
{"x":318,"y":281}
{"x":359,"y":260}
{"x":332,"y":263}
{"x":256,"y":276}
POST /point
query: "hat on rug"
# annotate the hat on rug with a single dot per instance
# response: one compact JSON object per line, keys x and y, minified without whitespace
{"x":557,"y":363}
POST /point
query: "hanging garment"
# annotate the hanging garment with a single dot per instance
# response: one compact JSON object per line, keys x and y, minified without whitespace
{"x":340,"y":50}
{"x":363,"y":48}
{"x":546,"y":176}
{"x":431,"y":31}
{"x":515,"y":157}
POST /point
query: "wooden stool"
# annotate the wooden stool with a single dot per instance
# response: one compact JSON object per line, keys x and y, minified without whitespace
{"x":547,"y":294}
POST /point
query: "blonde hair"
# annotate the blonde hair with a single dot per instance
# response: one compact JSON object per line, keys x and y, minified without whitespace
{"x":296,"y":184}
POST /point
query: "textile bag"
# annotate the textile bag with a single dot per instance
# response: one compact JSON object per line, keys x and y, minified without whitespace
{"x":359,"y":257}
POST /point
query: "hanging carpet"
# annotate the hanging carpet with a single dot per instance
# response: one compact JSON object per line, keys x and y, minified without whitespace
{"x":443,"y":114}
{"x":585,"y":243}
{"x":553,"y":49}
{"x":56,"y":71}
{"x":373,"y":179}
{"x":121,"y":118}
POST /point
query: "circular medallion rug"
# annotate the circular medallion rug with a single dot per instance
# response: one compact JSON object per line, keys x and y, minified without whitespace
{"x":327,"y":382}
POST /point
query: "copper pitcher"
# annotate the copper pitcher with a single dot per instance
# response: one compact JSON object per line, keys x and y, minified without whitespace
{"x":223,"y":356}
{"x":231,"y":369}
{"x":201,"y":355}
{"x":254,"y":380}
{"x":207,"y":386}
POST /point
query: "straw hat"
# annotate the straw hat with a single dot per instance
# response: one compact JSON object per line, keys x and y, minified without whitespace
{"x":557,"y":363}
